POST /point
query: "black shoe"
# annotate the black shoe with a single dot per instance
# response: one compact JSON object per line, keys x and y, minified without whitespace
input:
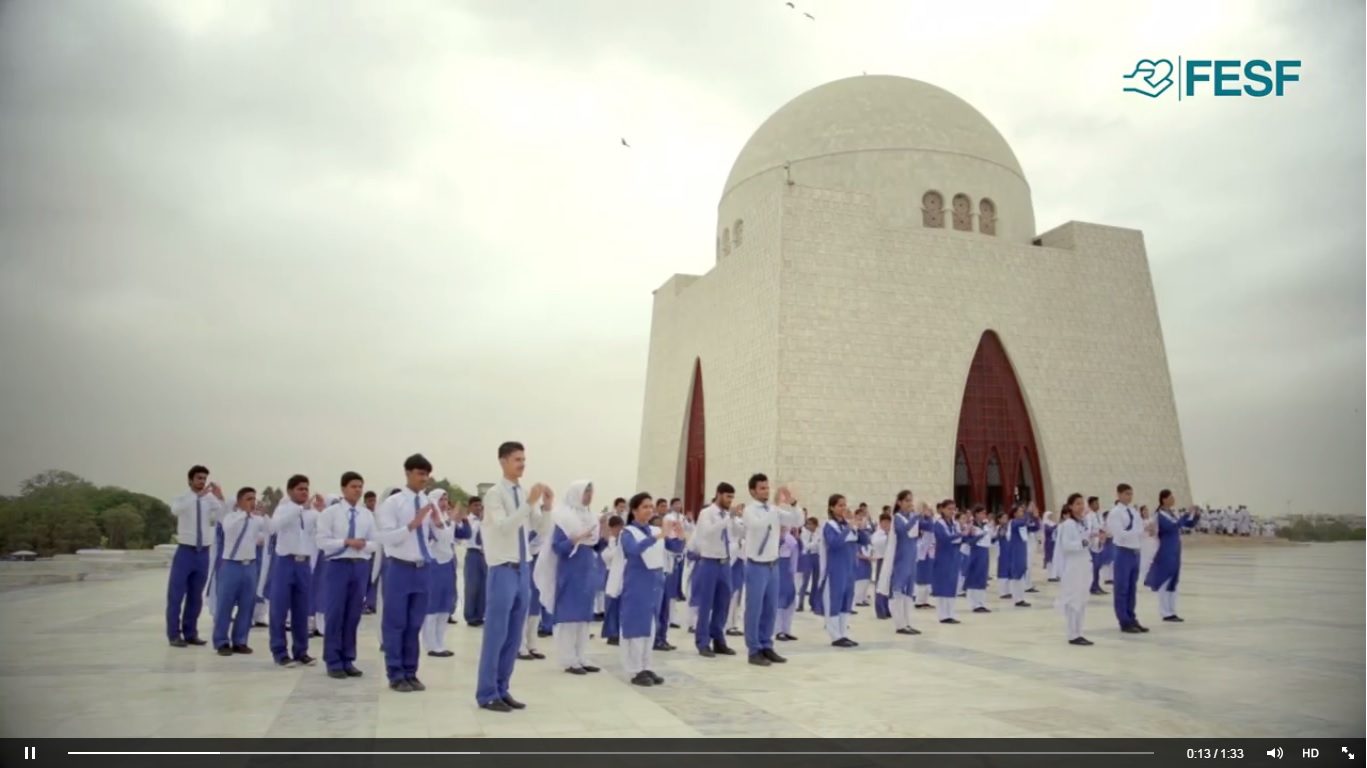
{"x":434,"y":654}
{"x":982,"y":609}
{"x":514,"y":703}
{"x":195,"y":641}
{"x":535,"y":655}
{"x":722,"y":649}
{"x":542,"y":633}
{"x":1132,"y":630}
{"x":672,"y":625}
{"x":259,"y":625}
{"x":353,"y":672}
{"x":576,"y":670}
{"x":614,"y":641}
{"x":654,"y":678}
{"x":908,"y":631}
{"x":1142,"y":628}
{"x":336,"y":674}
{"x":225,"y":650}
{"x":759,"y":660}
{"x":663,"y":647}
{"x":1032,"y":589}
{"x":1053,"y":581}
{"x":784,"y":637}
{"x":452,"y":621}
{"x":525,"y":657}
{"x":1177,"y":619}
{"x":496,"y":705}
{"x":245,"y":650}
{"x":473,"y":625}
{"x":1080,"y":641}
{"x":286,"y":663}
{"x":773,"y":656}
{"x":1108,"y":581}
{"x":401,"y":686}
{"x":949,"y":621}
{"x":1022,"y":604}
{"x":643,"y":680}
{"x":306,"y":660}
{"x":923,"y":606}
{"x":416,"y":684}
{"x":591,"y":669}
{"x":315,"y":633}
{"x":843,"y":642}
{"x":1006,"y":597}
{"x":599,"y":616}
{"x":734,"y":633}
{"x":706,"y":652}
{"x":691,"y":630}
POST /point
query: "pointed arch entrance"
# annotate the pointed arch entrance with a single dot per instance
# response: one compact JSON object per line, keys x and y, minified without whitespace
{"x":695,"y":445}
{"x":996,"y":442}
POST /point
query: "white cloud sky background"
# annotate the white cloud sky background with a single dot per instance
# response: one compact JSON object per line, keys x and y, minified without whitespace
{"x":279,"y":237}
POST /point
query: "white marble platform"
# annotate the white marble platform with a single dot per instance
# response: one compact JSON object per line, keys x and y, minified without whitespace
{"x":1274,"y":646}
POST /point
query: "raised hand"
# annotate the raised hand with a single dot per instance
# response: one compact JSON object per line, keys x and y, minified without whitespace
{"x":216,"y":491}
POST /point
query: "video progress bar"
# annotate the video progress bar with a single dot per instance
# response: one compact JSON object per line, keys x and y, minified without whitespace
{"x":610,"y":754}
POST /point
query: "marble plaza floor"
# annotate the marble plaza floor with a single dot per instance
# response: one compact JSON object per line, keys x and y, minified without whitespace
{"x":1273,"y":646}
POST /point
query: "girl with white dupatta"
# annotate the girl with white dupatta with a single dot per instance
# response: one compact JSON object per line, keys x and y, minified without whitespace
{"x":441,"y":577}
{"x":897,"y":580}
{"x":1073,"y":553}
{"x":565,"y":575}
{"x":1149,"y":546}
{"x":1051,"y":567}
{"x":837,"y":549}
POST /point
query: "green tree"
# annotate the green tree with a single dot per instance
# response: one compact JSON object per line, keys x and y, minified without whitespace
{"x":270,"y":496}
{"x":122,"y":526}
{"x":454,"y":492}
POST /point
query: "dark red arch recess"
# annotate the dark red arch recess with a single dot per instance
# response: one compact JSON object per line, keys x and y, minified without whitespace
{"x":993,"y":418}
{"x":695,"y":446}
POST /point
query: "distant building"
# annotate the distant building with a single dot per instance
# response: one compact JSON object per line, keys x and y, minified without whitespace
{"x":883,"y":314}
{"x":483,"y":488}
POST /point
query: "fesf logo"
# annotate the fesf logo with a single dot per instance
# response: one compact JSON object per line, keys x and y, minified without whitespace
{"x":1219,"y":77}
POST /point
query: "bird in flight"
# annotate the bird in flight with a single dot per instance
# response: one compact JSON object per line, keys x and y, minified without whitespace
{"x":790,"y":5}
{"x":808,"y":15}
{"x":625,"y":144}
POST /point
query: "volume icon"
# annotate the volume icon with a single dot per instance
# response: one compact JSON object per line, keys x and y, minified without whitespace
{"x":1275,"y":752}
{"x":30,"y":753}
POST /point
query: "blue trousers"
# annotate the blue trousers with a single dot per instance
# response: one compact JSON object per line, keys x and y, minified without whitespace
{"x":761,"y":605}
{"x":805,"y":589}
{"x":1096,"y":571}
{"x":343,"y":600}
{"x":403,"y":609}
{"x":505,"y":614}
{"x":1126,"y":584}
{"x":185,"y":591}
{"x":291,"y":593}
{"x":236,"y":591}
{"x":476,"y":573}
{"x":662,"y":617}
{"x":612,"y":617}
{"x":712,"y":594}
{"x":372,"y":592}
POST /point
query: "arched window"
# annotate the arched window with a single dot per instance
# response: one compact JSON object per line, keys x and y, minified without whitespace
{"x":718,"y":247}
{"x":963,"y":213}
{"x":987,"y":217}
{"x":933,"y":210}
{"x":726,"y":242}
{"x":736,"y":232}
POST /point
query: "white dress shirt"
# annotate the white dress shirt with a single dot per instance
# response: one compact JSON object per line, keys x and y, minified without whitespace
{"x":507,"y":520}
{"x":392,"y":519}
{"x":242,"y":532}
{"x":441,"y":542}
{"x":716,"y":534}
{"x":334,"y":525}
{"x":1121,"y":518}
{"x":476,"y":540}
{"x":295,"y":528}
{"x":195,"y":518}
{"x":763,"y":522}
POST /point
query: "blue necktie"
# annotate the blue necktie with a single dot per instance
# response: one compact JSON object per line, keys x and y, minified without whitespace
{"x":246,"y":523}
{"x":768,"y":530}
{"x":199,"y":521}
{"x":521,"y":534}
{"x":422,"y":540}
{"x":350,"y":532}
{"x":725,"y":536}
{"x":1129,"y":519}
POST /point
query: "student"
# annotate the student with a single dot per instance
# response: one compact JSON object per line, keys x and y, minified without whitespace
{"x":715,"y":539}
{"x":196,"y":513}
{"x":345,"y":536}
{"x":878,"y":548}
{"x":1148,"y":547}
{"x":863,"y":562}
{"x":476,"y":569}
{"x":949,"y":534}
{"x":243,"y":530}
{"x":898,"y":579}
{"x":1001,"y":536}
{"x":615,"y":562}
{"x":372,"y":592}
{"x":564,"y":575}
{"x":1094,"y":523}
{"x":839,"y":545}
{"x":536,"y":613}
{"x":1167,"y":562}
{"x":509,"y":517}
{"x":925,"y":557}
{"x":788,"y":552}
{"x":441,"y":576}
{"x":405,"y":523}
{"x":735,"y":616}
{"x":1032,"y":537}
{"x":806,"y":563}
{"x":1125,"y":527}
{"x":318,"y":564}
{"x":1075,"y":545}
{"x":1017,"y":554}
{"x":1050,"y":527}
{"x":643,"y":550}
{"x":979,"y":538}
{"x":264,"y":552}
{"x":295,"y":527}
{"x":763,"y":525}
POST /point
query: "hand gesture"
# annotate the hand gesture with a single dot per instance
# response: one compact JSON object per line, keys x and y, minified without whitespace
{"x":785,"y":496}
{"x":534,"y":495}
{"x":317,"y":503}
{"x":737,"y":510}
{"x":355,"y":543}
{"x":548,"y":496}
{"x":216,"y":491}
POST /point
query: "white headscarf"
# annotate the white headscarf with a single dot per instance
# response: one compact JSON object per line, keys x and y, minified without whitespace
{"x":573,"y":517}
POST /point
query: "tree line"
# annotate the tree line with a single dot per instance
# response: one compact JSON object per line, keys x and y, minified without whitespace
{"x":59,"y":512}
{"x":1308,"y":528}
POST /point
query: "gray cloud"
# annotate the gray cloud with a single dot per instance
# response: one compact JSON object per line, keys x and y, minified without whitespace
{"x":282,"y":237}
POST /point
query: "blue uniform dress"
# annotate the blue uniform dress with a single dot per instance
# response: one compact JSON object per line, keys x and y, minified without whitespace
{"x":1050,"y":534}
{"x":476,"y":570}
{"x":806,"y":565}
{"x":1167,"y":562}
{"x":975,"y":575}
{"x":1017,"y":550}
{"x":945,"y":568}
{"x":834,"y":596}
{"x":903,"y":578}
{"x":576,"y":585}
{"x":642,"y":586}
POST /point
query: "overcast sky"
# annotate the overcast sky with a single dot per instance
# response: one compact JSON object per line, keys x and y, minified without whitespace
{"x":280,"y":237}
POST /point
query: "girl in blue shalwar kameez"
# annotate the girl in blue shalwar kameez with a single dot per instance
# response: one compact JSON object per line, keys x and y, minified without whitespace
{"x":566,"y":575}
{"x":944,"y":585}
{"x":1167,"y":562}
{"x":838,"y":547}
{"x":643,"y":548}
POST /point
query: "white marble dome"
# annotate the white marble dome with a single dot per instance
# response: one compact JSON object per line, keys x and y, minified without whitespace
{"x":891,"y":137}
